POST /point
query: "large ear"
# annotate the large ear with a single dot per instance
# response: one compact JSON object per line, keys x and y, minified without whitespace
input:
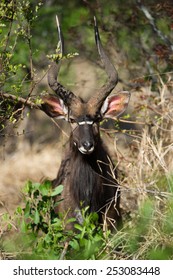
{"x":54,"y":107}
{"x":115,"y":105}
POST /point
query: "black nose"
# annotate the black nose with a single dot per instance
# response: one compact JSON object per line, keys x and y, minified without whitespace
{"x":88,"y":145}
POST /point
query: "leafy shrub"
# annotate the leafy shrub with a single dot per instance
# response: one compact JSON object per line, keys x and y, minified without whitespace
{"x":42,"y":234}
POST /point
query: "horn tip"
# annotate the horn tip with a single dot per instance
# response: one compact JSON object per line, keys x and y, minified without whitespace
{"x":95,"y":21}
{"x":57,"y":20}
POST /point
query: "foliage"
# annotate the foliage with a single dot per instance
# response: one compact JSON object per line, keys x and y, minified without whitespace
{"x":144,"y":50}
{"x":25,"y":42}
{"x":16,"y":54}
{"x":149,"y":234}
{"x":44,"y":234}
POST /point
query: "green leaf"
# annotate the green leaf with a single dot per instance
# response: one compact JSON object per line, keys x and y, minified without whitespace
{"x":58,"y":190}
{"x":27,"y":210}
{"x":75,"y":245}
{"x":23,"y":226}
{"x":79,"y":227}
{"x":36,"y":217}
{"x":44,"y":189}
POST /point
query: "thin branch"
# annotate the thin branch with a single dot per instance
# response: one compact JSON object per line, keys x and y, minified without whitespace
{"x":23,"y":101}
{"x":10,"y":27}
{"x":153,"y":24}
{"x":64,"y":251}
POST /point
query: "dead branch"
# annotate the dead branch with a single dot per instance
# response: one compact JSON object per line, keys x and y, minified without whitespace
{"x":151,"y":20}
{"x":23,"y":101}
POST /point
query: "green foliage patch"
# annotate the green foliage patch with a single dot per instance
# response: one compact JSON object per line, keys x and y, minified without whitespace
{"x":41,"y":234}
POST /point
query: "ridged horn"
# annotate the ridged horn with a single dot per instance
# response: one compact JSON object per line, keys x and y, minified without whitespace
{"x":67,"y":96}
{"x":98,"y":99}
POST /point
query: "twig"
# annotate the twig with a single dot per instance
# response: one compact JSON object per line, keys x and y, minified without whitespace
{"x":60,"y":128}
{"x":153,"y":24}
{"x":21,"y":100}
{"x":64,"y":251}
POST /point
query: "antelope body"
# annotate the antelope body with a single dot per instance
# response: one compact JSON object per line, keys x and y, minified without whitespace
{"x":87,"y":172}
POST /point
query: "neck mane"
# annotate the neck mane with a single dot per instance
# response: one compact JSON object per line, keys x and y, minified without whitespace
{"x":88,"y":174}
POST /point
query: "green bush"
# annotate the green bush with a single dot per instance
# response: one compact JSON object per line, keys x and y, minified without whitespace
{"x":43,"y":235}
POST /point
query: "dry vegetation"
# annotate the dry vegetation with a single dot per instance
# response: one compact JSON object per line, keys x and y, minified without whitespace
{"x":143,"y":154}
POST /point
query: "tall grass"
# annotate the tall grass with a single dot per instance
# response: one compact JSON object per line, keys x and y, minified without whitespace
{"x":147,"y":200}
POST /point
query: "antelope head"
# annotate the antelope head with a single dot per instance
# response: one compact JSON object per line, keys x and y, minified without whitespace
{"x":85,"y":116}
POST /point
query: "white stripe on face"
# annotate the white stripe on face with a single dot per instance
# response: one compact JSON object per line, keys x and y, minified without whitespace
{"x":85,"y":122}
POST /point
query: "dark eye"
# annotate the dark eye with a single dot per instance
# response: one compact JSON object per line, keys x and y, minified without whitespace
{"x":71,"y":120}
{"x":97,"y":119}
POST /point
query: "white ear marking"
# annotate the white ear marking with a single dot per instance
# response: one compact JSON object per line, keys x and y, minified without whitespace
{"x":64,"y":109}
{"x":104,"y":107}
{"x":115,"y":104}
{"x":54,"y":107}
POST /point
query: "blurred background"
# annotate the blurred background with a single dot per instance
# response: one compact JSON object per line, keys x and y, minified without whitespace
{"x":138,"y":37}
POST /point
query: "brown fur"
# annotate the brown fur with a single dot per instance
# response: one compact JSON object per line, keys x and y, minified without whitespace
{"x":89,"y":180}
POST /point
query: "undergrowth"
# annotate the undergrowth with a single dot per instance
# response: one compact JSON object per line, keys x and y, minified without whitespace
{"x":147,"y":233}
{"x":40,"y":234}
{"x":34,"y":231}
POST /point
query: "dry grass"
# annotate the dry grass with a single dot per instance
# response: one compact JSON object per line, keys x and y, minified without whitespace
{"x":149,"y":175}
{"x":144,"y":157}
{"x":35,"y":164}
{"x":149,"y":155}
